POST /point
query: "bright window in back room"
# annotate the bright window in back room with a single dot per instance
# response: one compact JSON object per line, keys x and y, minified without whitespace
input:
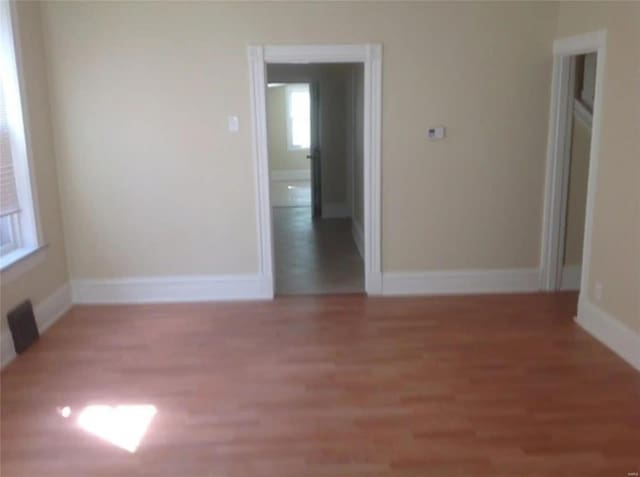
{"x":18,"y":232}
{"x":298,"y":116}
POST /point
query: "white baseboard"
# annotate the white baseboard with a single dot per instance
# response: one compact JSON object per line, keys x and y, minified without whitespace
{"x":192,"y":288}
{"x":291,"y":175}
{"x":459,"y":282}
{"x":570,"y":279}
{"x":358,"y":236}
{"x":617,"y":336}
{"x":335,"y":211}
{"x":47,"y":312}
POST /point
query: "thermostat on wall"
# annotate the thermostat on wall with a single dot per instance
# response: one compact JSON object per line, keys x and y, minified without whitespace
{"x":436,"y":132}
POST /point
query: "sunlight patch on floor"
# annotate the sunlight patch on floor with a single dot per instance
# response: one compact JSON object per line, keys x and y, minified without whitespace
{"x":124,"y":426}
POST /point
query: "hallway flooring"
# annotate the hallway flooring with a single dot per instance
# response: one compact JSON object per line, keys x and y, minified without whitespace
{"x":314,"y":256}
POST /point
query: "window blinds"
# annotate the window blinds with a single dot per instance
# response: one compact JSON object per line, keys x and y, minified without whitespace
{"x":8,"y":192}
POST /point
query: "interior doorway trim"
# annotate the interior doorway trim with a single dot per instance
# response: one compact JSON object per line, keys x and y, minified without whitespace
{"x":558,"y":150}
{"x":371,"y":57}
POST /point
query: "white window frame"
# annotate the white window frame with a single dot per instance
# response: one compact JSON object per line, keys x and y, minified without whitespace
{"x":14,"y":231}
{"x":26,"y":229}
{"x":289,"y":90}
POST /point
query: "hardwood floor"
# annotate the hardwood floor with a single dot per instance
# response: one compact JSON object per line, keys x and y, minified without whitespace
{"x":328,"y":386}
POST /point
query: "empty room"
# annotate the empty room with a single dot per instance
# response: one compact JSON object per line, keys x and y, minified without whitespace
{"x":319,"y":238}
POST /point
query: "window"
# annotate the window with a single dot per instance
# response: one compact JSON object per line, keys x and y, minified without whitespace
{"x":18,"y":234}
{"x":298,"y":116}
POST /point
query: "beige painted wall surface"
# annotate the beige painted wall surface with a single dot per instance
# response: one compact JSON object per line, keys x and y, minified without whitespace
{"x":153,"y":184}
{"x":280,"y":157}
{"x":577,"y":193}
{"x":616,"y":232}
{"x":50,"y":274}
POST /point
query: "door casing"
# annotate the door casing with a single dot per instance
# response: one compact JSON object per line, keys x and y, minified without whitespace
{"x":564,"y":51}
{"x":370,"y":55}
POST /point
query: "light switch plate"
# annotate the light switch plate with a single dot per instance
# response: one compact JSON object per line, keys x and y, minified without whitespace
{"x":234,"y":124}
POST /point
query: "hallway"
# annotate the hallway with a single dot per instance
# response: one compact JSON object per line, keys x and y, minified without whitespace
{"x":314,"y":256}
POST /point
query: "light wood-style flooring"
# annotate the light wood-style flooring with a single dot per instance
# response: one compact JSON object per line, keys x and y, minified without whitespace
{"x":343,"y":386}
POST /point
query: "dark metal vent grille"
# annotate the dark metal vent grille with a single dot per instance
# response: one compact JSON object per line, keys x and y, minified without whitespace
{"x":22,"y":323}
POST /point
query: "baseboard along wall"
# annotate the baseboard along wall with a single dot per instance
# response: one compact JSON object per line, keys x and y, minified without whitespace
{"x":614,"y":334}
{"x":172,"y":289}
{"x":453,"y":282}
{"x":621,"y":339}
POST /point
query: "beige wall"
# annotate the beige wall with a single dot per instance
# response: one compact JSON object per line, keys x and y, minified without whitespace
{"x":142,"y":91}
{"x":615,"y":261}
{"x":577,"y":192}
{"x":280,"y":157}
{"x":51,"y":273}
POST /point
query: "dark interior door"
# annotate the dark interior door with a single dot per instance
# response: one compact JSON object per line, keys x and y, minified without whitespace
{"x":315,"y":154}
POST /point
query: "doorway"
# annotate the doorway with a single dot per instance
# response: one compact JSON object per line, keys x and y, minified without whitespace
{"x":369,"y":57}
{"x":572,"y":163}
{"x":314,"y":131}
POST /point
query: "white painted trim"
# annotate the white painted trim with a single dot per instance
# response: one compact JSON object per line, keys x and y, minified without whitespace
{"x":358,"y":236}
{"x":47,"y":312}
{"x":570,"y":279}
{"x":458,"y":282}
{"x":20,"y":262}
{"x":580,"y":44}
{"x":23,"y":163}
{"x":304,"y":54}
{"x":335,"y":211}
{"x":371,"y":56}
{"x":171,"y":289}
{"x":291,"y":175}
{"x":618,"y":337}
{"x":372,"y":169}
{"x":582,"y":114}
{"x":260,"y":152}
{"x":53,"y":307}
{"x":555,"y":182}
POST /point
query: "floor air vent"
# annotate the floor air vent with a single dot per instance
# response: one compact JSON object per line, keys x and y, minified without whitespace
{"x":22,"y":323}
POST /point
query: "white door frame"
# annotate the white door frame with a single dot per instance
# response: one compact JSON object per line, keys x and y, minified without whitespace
{"x":371,"y":56}
{"x":558,"y":156}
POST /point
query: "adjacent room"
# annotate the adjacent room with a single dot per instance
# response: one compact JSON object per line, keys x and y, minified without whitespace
{"x":284,"y":239}
{"x":315,"y":126}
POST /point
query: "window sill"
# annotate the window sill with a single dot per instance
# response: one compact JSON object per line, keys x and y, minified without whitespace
{"x":20,"y":261}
